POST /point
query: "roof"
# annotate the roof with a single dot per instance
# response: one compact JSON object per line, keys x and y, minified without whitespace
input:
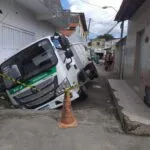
{"x":128,"y":9}
{"x":73,"y":25}
{"x":47,"y":10}
{"x":83,"y":20}
{"x":70,"y":30}
{"x":67,"y":32}
{"x":121,"y":41}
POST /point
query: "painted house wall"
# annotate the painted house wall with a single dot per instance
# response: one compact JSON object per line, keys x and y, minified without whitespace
{"x":140,"y":21}
{"x":79,"y":51}
{"x":117,"y":59}
{"x":19,"y":27}
{"x":81,"y":31}
{"x":121,"y":45}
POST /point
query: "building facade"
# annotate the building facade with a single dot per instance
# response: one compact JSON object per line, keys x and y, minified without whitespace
{"x":22,"y":22}
{"x":98,"y":45}
{"x":120,"y":45}
{"x":137,"y":54}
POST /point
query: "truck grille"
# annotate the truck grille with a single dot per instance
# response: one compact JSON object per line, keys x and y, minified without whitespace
{"x":46,"y":93}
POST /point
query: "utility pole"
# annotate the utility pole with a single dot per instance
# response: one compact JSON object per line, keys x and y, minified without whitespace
{"x":89,"y":25}
{"x":121,"y":52}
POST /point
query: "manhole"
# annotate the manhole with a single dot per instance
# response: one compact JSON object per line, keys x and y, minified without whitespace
{"x":97,"y":87}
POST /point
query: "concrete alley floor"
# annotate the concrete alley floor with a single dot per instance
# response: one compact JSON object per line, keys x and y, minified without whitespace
{"x":97,"y":128}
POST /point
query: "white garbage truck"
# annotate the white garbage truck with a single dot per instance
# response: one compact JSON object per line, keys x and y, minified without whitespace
{"x":37,"y":75}
{"x":86,"y":66}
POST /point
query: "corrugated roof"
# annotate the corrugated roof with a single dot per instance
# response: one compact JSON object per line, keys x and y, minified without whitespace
{"x":67,"y":32}
{"x":127,"y":9}
{"x":123,"y":40}
{"x":83,"y":20}
{"x":73,"y":25}
{"x":70,"y":30}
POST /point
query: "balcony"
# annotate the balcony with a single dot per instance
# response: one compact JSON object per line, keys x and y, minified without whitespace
{"x":48,"y":10}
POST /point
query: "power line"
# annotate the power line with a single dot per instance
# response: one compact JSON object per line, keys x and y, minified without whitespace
{"x":112,"y":28}
{"x":102,"y":23}
{"x":90,"y":3}
{"x":97,"y":21}
{"x":1,"y":21}
{"x":52,"y":10}
{"x":9,"y":3}
{"x":94,"y":5}
{"x":110,"y":17}
{"x":95,"y":33}
{"x":103,"y":19}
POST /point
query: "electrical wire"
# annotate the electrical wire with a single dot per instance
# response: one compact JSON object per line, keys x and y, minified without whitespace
{"x":90,"y":4}
{"x":9,"y":3}
{"x":1,"y":21}
{"x":94,"y":33}
{"x":102,"y":23}
{"x":105,"y":12}
{"x":112,"y":28}
{"x":52,"y":11}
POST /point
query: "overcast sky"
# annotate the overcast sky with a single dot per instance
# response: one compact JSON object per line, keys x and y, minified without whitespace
{"x":102,"y":20}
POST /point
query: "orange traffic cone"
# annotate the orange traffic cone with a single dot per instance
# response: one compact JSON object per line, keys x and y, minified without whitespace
{"x":68,"y":120}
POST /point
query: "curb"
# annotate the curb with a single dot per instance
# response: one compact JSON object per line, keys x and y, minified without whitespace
{"x":128,"y":126}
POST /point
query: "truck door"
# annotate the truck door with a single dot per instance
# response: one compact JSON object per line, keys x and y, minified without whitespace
{"x":72,"y":70}
{"x":69,"y":63}
{"x":71,"y":67}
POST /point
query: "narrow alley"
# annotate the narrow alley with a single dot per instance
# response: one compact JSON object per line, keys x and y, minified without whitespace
{"x":74,"y":75}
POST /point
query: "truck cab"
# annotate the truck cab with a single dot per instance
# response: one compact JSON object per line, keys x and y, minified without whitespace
{"x":43,"y":72}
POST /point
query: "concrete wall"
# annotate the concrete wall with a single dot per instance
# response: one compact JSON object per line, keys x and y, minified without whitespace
{"x":80,"y":54}
{"x":22,"y":18}
{"x":17,"y":22}
{"x":140,"y":21}
{"x":116,"y":68}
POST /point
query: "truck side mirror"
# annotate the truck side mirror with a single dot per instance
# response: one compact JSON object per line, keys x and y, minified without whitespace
{"x":64,"y":42}
{"x":56,"y":43}
{"x":61,"y":41}
{"x":69,"y":54}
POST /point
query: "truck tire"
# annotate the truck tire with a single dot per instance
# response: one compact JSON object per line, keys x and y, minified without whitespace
{"x":83,"y":93}
{"x":82,"y":78}
{"x":96,"y":72}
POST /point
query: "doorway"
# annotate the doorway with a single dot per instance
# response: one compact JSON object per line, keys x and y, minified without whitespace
{"x":138,"y":59}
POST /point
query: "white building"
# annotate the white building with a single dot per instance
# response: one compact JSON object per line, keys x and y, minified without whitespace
{"x":136,"y":57}
{"x":23,"y":21}
{"x":111,"y":44}
{"x":77,"y":34}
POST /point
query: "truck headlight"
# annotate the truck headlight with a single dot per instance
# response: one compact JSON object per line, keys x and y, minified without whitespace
{"x":64,"y":85}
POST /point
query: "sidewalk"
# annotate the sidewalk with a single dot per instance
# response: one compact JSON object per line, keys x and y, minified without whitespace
{"x":133,"y":113}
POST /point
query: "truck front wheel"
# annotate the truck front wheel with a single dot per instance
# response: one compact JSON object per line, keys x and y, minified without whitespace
{"x":83,"y":93}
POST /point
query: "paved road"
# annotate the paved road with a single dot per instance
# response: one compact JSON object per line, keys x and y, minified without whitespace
{"x":98,"y":128}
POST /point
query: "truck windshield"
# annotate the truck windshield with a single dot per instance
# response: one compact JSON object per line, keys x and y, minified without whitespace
{"x":31,"y":61}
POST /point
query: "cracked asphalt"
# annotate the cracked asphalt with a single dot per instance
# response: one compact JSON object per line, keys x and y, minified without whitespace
{"x":98,"y":128}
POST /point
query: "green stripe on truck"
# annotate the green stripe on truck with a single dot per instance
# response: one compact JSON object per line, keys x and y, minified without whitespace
{"x":33,"y":80}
